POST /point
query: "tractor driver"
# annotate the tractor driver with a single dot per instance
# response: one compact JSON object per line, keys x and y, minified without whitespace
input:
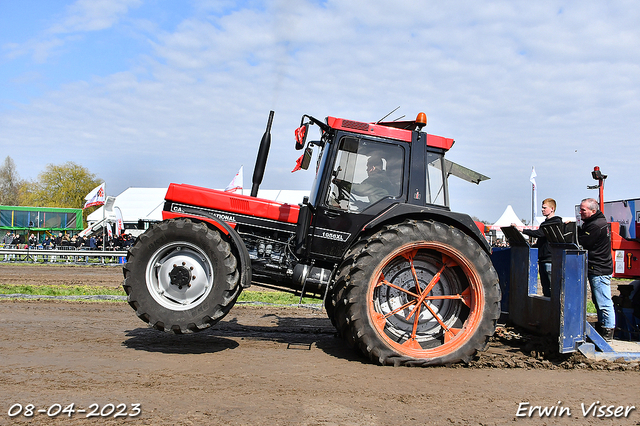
{"x":376,"y":186}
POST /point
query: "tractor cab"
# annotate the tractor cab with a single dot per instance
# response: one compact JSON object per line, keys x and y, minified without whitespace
{"x":364,"y":170}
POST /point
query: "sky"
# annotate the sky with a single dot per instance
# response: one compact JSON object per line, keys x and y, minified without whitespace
{"x":147,"y":92}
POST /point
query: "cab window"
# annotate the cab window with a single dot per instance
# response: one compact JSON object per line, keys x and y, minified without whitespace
{"x":436,"y":183}
{"x":365,"y":172}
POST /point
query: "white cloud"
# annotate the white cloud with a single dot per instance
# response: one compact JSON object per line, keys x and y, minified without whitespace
{"x":80,"y":17}
{"x":93,"y":15}
{"x":516,"y":84}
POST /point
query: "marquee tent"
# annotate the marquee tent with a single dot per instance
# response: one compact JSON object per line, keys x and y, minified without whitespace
{"x":135,"y":204}
{"x":507,"y":218}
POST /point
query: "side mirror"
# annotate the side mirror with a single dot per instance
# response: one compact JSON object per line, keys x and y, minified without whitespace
{"x":306,"y":158}
{"x":301,"y":136}
{"x":302,"y":163}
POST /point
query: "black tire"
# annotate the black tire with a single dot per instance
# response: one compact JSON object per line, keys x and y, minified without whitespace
{"x":335,"y":292}
{"x":181,"y":276}
{"x":336,"y":304}
{"x":393,"y":321}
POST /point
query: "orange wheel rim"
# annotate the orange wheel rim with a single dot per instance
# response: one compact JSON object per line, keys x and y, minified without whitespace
{"x":425,"y":299}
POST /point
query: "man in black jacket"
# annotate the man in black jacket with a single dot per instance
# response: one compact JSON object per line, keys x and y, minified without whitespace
{"x":595,"y":237}
{"x":544,"y":250}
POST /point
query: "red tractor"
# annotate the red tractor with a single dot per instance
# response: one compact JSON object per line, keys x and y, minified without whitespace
{"x":404,"y":280}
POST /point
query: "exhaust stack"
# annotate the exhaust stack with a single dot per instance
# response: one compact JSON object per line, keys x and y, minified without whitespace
{"x":261,"y":161}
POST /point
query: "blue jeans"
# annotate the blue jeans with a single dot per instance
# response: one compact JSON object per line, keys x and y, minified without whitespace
{"x":544,"y":269}
{"x":601,"y":296}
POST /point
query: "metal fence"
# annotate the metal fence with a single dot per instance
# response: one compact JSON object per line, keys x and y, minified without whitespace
{"x":62,"y":255}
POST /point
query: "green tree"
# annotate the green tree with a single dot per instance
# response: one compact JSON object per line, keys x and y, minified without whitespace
{"x":63,"y":185}
{"x":10,"y":184}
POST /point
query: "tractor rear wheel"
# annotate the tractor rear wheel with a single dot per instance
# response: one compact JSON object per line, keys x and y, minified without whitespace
{"x":419,"y":293}
{"x":181,"y":276}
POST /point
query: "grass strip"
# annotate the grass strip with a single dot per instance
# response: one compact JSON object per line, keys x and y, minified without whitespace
{"x":270,"y":297}
{"x":275,"y":297}
{"x":60,"y":290}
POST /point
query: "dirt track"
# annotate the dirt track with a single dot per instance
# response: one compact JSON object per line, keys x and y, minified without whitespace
{"x":267,"y":366}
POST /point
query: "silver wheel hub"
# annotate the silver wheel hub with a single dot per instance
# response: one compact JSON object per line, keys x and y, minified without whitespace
{"x":179,"y":276}
{"x":388,"y":300}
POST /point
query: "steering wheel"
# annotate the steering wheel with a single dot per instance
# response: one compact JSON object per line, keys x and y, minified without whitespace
{"x":343,"y":192}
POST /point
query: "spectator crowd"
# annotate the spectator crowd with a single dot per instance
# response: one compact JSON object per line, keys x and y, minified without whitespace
{"x":64,"y":241}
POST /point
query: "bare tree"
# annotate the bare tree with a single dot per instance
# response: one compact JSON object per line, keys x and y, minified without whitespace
{"x":10,"y":183}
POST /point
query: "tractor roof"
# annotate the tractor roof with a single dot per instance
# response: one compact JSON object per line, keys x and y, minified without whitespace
{"x":398,"y":130}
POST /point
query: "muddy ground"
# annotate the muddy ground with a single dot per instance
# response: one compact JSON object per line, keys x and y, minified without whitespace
{"x":268,"y":365}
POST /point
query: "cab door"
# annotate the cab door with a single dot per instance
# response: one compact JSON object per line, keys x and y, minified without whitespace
{"x":355,"y":191}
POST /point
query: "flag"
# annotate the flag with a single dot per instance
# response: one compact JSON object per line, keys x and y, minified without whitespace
{"x":96,"y":197}
{"x":298,"y":164}
{"x":534,"y":189}
{"x":236,"y":182}
{"x":119,"y":222}
{"x":109,"y":230}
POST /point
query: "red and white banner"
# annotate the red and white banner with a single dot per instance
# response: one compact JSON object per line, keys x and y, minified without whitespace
{"x":96,"y":197}
{"x":119,"y":221}
{"x":236,"y":183}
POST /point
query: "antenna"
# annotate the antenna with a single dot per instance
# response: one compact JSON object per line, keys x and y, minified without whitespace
{"x":377,"y":122}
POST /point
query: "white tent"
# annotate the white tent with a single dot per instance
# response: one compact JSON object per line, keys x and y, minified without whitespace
{"x":508,"y":217}
{"x":135,"y":204}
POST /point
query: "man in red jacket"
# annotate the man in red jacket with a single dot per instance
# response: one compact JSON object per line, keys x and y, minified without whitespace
{"x":595,"y":237}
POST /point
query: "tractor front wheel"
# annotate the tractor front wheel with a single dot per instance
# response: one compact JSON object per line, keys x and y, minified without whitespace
{"x":181,"y":276}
